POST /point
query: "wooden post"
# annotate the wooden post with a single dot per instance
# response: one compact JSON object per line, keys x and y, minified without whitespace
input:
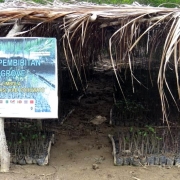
{"x":4,"y":153}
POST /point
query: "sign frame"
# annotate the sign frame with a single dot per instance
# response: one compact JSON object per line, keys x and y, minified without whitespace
{"x":28,"y":77}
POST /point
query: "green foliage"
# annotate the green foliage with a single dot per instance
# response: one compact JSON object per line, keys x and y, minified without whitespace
{"x":42,"y":1}
{"x":164,"y":3}
{"x":129,"y":106}
{"x":149,"y":130}
{"x":113,"y":1}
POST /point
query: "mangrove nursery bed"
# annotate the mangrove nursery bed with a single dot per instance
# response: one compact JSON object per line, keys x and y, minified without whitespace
{"x":146,"y":146}
{"x":27,"y":142}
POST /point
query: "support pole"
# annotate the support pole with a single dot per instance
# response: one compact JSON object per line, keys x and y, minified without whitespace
{"x":4,"y":153}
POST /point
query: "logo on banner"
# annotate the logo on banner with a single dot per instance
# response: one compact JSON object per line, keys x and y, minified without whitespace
{"x":19,"y":101}
{"x":12,"y":101}
{"x":25,"y":101}
{"x":1,"y":101}
{"x":31,"y":101}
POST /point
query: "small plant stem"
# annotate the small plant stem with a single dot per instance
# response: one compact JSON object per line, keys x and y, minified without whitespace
{"x":142,"y":148}
{"x":120,"y":144}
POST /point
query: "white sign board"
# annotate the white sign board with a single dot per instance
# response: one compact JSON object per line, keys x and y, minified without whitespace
{"x":28,"y":78}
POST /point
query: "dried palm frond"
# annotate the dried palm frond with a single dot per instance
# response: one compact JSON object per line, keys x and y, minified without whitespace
{"x":169,"y":46}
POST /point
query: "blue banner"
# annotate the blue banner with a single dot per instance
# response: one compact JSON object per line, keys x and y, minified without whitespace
{"x":28,"y":78}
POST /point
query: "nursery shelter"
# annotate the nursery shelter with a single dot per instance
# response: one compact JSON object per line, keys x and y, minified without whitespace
{"x":132,"y":36}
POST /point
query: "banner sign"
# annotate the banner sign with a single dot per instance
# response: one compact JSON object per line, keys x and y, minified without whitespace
{"x":28,"y":77}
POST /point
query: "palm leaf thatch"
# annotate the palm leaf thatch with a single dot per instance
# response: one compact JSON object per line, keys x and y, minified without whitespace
{"x":85,"y":31}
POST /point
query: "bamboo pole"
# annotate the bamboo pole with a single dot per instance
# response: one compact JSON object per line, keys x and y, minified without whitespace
{"x":4,"y":153}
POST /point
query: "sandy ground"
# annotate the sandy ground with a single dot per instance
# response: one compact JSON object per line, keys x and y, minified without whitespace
{"x":83,"y":151}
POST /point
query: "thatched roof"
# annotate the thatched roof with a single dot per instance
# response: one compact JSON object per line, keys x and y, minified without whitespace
{"x":107,"y":15}
{"x":130,"y":34}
